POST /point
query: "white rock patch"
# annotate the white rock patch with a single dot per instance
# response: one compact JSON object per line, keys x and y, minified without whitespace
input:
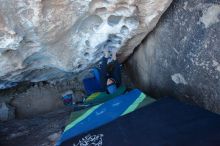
{"x":218,"y":68}
{"x":185,"y":5}
{"x":210,"y":16}
{"x":179,"y":79}
{"x":216,"y":65}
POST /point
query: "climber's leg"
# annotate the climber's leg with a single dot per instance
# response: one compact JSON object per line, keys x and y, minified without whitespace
{"x":101,"y":73}
{"x":116,"y":72}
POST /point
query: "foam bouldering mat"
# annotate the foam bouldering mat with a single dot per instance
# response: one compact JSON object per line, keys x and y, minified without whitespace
{"x":167,"y":122}
{"x":101,"y":114}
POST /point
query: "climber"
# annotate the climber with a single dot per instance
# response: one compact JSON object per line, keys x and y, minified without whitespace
{"x":104,"y":85}
{"x":108,"y":75}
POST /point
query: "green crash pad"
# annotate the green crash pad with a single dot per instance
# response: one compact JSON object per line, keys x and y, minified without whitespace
{"x":74,"y":115}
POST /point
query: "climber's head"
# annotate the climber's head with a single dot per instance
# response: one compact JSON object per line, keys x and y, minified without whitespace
{"x":111,"y":85}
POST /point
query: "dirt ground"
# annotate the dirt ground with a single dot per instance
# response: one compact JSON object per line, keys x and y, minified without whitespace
{"x":33,"y":131}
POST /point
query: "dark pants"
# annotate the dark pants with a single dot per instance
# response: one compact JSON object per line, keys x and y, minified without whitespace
{"x":114,"y":73}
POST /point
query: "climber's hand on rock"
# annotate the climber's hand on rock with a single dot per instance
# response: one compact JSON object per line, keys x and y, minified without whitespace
{"x":106,"y":53}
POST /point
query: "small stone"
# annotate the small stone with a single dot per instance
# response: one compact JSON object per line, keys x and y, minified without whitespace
{"x":54,"y":137}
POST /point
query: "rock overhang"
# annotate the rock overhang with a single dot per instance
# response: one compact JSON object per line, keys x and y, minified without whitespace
{"x":48,"y":40}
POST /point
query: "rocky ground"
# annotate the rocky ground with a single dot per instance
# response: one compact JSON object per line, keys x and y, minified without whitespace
{"x":40,"y":130}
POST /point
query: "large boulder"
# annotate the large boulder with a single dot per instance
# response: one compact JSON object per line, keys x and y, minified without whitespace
{"x":44,"y":97}
{"x":50,"y":39}
{"x":181,"y":57}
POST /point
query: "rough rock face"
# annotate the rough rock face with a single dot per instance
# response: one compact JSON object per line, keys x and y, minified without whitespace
{"x":181,"y":57}
{"x":49,"y":39}
{"x":6,"y":112}
{"x":32,"y":99}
